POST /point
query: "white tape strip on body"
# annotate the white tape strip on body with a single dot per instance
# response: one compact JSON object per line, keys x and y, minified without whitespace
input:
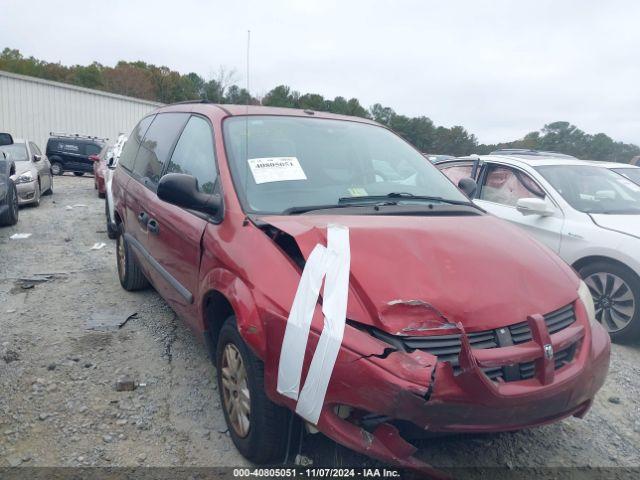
{"x":334,"y":262}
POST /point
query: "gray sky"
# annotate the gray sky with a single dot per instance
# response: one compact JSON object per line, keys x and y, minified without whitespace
{"x":499,"y":68}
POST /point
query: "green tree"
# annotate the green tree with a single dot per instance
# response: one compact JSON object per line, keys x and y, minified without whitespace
{"x":281,"y":96}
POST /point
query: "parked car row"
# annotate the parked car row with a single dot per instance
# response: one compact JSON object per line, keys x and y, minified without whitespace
{"x":434,"y":314}
{"x":26,"y":173}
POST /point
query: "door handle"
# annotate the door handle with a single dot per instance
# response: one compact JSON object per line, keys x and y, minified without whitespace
{"x":143,"y":219}
{"x":153,"y":226}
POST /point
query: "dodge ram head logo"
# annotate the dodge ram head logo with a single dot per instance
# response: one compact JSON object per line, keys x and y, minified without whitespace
{"x":548,"y":351}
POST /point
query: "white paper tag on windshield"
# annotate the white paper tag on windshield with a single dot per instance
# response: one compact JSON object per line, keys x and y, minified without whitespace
{"x":276,"y":169}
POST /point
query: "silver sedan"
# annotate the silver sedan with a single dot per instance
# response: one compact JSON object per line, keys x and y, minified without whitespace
{"x":33,"y":176}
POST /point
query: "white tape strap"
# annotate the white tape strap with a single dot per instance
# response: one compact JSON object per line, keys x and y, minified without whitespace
{"x":334,"y":262}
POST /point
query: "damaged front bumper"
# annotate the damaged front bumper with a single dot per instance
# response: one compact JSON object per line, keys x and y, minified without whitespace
{"x":386,"y":388}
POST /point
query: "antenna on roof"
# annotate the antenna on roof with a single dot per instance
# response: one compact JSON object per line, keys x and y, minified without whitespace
{"x":246,"y":117}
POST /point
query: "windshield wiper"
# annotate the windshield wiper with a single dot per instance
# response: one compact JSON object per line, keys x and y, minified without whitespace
{"x":310,"y":208}
{"x":399,"y":196}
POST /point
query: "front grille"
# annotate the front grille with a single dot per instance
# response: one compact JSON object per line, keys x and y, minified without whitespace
{"x":447,"y":347}
{"x":556,"y":321}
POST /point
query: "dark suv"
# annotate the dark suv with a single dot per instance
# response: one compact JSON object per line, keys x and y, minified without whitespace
{"x":71,"y":152}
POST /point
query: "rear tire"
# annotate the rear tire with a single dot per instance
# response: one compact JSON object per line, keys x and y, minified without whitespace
{"x":265,"y":440}
{"x":56,"y":168}
{"x":616,"y":295}
{"x":10,"y":215}
{"x":129,"y":272}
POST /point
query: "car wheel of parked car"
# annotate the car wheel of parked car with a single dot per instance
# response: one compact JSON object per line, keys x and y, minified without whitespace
{"x":129,"y":272}
{"x":112,"y":231}
{"x":56,"y":168}
{"x":10,"y":215}
{"x":36,"y":195}
{"x":616,"y":295}
{"x":78,"y":174}
{"x":258,"y":427}
{"x":50,"y":189}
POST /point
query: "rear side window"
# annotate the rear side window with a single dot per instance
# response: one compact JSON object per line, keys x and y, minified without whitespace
{"x":157,"y":144}
{"x":91,"y":149}
{"x":34,"y":149}
{"x":194,"y":154}
{"x":130,"y":149}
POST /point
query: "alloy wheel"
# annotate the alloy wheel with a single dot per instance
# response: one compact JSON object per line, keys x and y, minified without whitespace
{"x":235,"y":389}
{"x":613,"y":299}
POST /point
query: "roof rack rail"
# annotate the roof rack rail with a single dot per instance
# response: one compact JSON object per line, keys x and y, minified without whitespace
{"x":197,"y":100}
{"x":78,"y":136}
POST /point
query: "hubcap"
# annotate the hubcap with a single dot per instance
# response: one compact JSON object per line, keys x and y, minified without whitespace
{"x":613,"y":299}
{"x":55,"y":169}
{"x":235,"y":390}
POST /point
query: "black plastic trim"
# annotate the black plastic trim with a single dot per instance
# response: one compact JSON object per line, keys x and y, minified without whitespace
{"x":184,"y":293}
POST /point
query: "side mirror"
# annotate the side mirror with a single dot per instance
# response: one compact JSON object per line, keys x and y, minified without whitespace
{"x":94,"y":158}
{"x":182,"y":190}
{"x":37,"y":158}
{"x":534,"y":206}
{"x":468,"y":187}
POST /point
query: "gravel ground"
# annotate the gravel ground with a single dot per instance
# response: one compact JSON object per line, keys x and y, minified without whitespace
{"x":59,"y":407}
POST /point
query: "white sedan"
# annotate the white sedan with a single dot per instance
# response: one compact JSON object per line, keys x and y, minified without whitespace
{"x":587,"y":212}
{"x":112,"y":163}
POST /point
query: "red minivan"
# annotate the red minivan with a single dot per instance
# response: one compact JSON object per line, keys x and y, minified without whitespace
{"x":334,"y":273}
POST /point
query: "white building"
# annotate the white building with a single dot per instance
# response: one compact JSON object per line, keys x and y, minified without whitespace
{"x":32,"y":107}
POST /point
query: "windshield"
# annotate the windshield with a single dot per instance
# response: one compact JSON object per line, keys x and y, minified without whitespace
{"x":632,"y":174}
{"x":16,"y":152}
{"x":293,"y":163}
{"x":593,"y":189}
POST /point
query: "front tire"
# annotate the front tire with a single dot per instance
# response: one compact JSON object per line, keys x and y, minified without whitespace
{"x":36,"y":195}
{"x":50,"y":189}
{"x":129,"y":272}
{"x":10,"y":215}
{"x":616,"y":295}
{"x":112,"y":230}
{"x":258,"y":427}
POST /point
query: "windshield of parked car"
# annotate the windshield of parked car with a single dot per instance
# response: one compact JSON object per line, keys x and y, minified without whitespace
{"x":282,"y":163}
{"x":593,"y":189}
{"x":16,"y":152}
{"x":632,"y":174}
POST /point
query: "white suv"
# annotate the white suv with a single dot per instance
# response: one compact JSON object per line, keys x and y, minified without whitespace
{"x":587,"y":212}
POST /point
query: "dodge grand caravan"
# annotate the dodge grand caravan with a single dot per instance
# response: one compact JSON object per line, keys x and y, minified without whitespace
{"x":334,"y":273}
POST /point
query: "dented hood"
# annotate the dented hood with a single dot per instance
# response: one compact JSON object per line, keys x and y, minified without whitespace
{"x":411,"y":275}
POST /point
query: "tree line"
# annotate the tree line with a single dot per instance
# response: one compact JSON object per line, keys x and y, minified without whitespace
{"x":150,"y":82}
